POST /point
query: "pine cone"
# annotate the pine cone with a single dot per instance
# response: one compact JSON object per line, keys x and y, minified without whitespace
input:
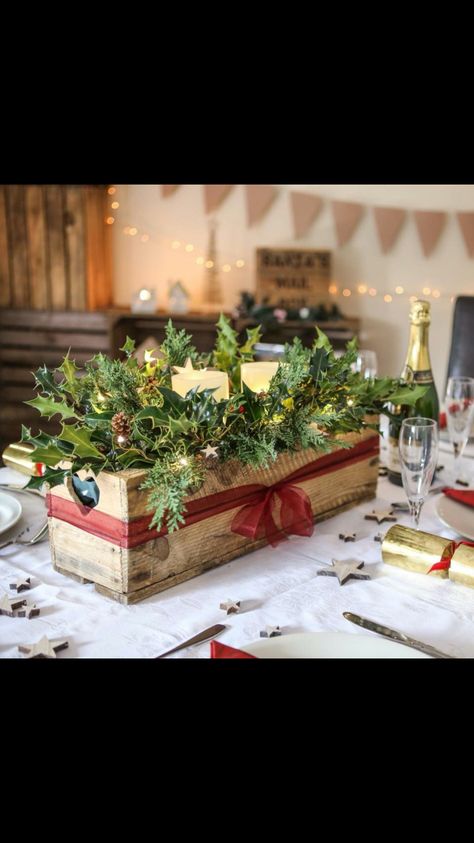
{"x":121,"y":427}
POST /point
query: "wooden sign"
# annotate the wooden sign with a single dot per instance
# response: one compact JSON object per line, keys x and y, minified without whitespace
{"x":293,"y":278}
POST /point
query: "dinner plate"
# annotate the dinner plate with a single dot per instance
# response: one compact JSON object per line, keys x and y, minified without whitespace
{"x":457,"y":516}
{"x":10,"y":511}
{"x":330,"y":645}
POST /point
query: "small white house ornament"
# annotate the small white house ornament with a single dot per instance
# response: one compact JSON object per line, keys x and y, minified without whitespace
{"x":178,"y":298}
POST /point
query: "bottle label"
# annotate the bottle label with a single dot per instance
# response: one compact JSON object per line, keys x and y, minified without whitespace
{"x":423,"y":376}
{"x":393,"y":456}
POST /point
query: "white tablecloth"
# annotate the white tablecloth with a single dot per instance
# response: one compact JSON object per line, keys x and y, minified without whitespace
{"x":276,"y":586}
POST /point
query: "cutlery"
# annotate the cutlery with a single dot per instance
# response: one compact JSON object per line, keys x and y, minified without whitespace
{"x":205,"y":635}
{"x":394,"y":635}
{"x":36,"y":538}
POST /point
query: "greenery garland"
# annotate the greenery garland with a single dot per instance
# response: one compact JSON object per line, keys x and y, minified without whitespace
{"x":119,"y":414}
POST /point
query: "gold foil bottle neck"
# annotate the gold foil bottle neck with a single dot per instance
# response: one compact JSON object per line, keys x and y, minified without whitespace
{"x":420,"y":312}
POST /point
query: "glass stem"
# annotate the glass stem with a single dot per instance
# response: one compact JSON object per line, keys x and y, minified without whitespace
{"x":415,"y":511}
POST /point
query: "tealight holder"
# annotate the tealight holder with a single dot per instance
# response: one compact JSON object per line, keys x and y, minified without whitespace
{"x":144,"y":300}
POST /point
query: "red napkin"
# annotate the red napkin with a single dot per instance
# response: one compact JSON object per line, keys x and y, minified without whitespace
{"x":463,"y":496}
{"x":222,"y":651}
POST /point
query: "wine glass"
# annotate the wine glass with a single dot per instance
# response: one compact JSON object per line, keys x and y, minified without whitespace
{"x":459,"y":405}
{"x":418,"y":447}
{"x":366,"y":363}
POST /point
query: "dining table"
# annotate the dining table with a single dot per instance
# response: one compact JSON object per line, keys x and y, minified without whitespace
{"x":275,"y":586}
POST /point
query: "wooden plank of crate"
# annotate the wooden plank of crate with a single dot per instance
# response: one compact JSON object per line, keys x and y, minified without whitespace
{"x":56,"y":246}
{"x":5,"y":290}
{"x":75,"y":246}
{"x":40,"y":298}
{"x":18,"y":244}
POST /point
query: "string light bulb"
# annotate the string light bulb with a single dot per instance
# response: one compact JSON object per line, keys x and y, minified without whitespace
{"x":427,"y":291}
{"x":362,"y":288}
{"x":226,"y":268}
{"x":333,"y":289}
{"x":200,"y":261}
{"x":189,"y":247}
{"x":126,"y":229}
{"x":372,"y":291}
{"x":240,"y":263}
{"x":133,"y":231}
{"x":145,"y":238}
{"x":111,"y":190}
{"x":346,"y":292}
{"x":115,"y":205}
{"x":412,"y":298}
{"x":110,"y":220}
{"x":209,"y":264}
{"x":436,"y":294}
{"x":175,"y":244}
{"x":387,"y":298}
{"x":399,"y":290}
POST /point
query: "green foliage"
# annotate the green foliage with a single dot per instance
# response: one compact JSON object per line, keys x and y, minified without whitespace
{"x":312,"y":398}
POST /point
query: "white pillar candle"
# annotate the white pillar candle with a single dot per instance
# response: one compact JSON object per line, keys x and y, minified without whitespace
{"x":203,"y":379}
{"x":257,"y":376}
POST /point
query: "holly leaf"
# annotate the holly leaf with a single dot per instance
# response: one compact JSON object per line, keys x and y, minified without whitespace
{"x":48,"y":407}
{"x":172,"y":401}
{"x":54,"y":477}
{"x":80,"y":437}
{"x":44,"y":379}
{"x":93,"y":419}
{"x":48,"y":454}
{"x":134,"y":457}
{"x":128,"y":347}
{"x":319,"y":363}
{"x":407,"y":395}
{"x":180,"y":425}
{"x":70,"y":383}
{"x":254,"y":335}
{"x":322,"y":341}
{"x":156,"y":414}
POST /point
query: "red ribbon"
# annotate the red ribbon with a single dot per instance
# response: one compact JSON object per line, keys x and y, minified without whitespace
{"x":445,"y":561}
{"x":255,"y":520}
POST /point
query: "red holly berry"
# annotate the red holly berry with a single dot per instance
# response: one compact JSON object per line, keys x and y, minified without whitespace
{"x":241,"y":409}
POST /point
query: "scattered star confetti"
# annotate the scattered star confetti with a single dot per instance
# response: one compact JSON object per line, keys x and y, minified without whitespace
{"x":462,"y":483}
{"x":209,"y":451}
{"x":43,"y":649}
{"x":270,"y":632}
{"x":8,"y":607}
{"x":21,"y":585}
{"x":344,"y":570}
{"x":231,"y":607}
{"x":348,"y":537}
{"x":380,"y":515}
{"x":383,"y":471}
{"x":30,"y":610}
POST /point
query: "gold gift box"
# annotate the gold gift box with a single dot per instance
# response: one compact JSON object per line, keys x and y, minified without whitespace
{"x":414,"y":550}
{"x":18,"y":456}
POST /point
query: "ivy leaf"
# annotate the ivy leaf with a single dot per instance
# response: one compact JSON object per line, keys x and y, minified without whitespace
{"x":48,"y":407}
{"x":319,"y":363}
{"x":80,"y":437}
{"x":55,"y":477}
{"x":44,"y":378}
{"x":48,"y":454}
{"x":128,"y":347}
{"x":70,"y":383}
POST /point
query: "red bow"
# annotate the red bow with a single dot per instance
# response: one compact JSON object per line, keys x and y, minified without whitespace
{"x":255,"y":519}
{"x":445,"y":561}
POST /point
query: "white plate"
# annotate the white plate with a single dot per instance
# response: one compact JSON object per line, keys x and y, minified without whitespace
{"x":330,"y":645}
{"x":456,"y":515}
{"x":10,"y":511}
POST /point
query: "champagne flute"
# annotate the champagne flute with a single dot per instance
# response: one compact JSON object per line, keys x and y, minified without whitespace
{"x":418,"y":447}
{"x":366,"y":363}
{"x":459,"y":405}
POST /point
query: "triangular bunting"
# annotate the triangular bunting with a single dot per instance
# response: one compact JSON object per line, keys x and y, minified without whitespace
{"x":388,"y":222}
{"x":305,"y":207}
{"x":430,"y":225}
{"x":259,"y":198}
{"x":214,"y":194}
{"x":168,"y":189}
{"x":346,"y":218}
{"x":466,"y":222}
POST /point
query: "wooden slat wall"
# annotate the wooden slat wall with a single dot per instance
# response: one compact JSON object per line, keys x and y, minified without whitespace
{"x":55,"y":248}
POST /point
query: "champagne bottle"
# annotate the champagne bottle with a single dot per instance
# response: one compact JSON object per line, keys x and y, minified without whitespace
{"x":417,"y":369}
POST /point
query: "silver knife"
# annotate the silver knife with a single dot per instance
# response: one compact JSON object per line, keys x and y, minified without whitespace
{"x":205,"y":635}
{"x":394,"y":635}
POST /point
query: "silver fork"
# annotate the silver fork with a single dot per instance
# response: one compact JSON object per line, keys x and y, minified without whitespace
{"x":36,"y":538}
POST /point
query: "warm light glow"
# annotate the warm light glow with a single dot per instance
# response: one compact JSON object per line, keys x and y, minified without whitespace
{"x":183,"y":461}
{"x":115,"y":205}
{"x":133,"y":231}
{"x":362,"y":288}
{"x":101,"y":397}
{"x":209,"y":264}
{"x":200,"y":261}
{"x":148,"y":356}
{"x":427,"y":291}
{"x":111,"y":191}
{"x":333,"y":289}
{"x":226,"y":268}
{"x":372,"y":291}
{"x":399,"y":290}
{"x":126,"y":229}
{"x":346,"y":292}
{"x":240,"y":263}
{"x":175,"y":244}
{"x":145,"y":238}
{"x":189,"y":247}
{"x":436,"y":294}
{"x":350,"y":402}
{"x":144,"y":295}
{"x":387,"y":298}
{"x":257,"y":376}
{"x":189,"y":378}
{"x":121,"y":439}
{"x":110,"y":220}
{"x":412,"y":298}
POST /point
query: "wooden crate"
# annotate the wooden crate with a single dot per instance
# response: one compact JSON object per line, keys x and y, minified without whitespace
{"x":112,"y":546}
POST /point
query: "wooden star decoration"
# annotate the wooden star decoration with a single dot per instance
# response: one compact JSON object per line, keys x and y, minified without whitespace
{"x":231,"y":607}
{"x":344,"y":570}
{"x":187,"y":368}
{"x":30,"y":610}
{"x":380,"y":515}
{"x":21,"y":585}
{"x":270,"y":632}
{"x":379,"y":537}
{"x":462,"y":483}
{"x":209,"y":451}
{"x":43,"y":649}
{"x":348,"y":537}
{"x":8,"y":607}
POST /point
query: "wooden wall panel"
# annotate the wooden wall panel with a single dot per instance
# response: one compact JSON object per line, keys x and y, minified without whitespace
{"x":18,"y":244}
{"x":36,"y":231}
{"x":56,"y":246}
{"x":75,"y":246}
{"x":5,"y":291}
{"x":99,"y":285}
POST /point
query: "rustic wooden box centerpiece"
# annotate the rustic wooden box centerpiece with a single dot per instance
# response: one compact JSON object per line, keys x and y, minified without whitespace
{"x":112,"y":546}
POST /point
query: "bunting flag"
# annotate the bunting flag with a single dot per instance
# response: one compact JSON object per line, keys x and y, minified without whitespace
{"x":347,"y":216}
{"x":430,"y":225}
{"x":305,"y":207}
{"x":214,"y":194}
{"x":388,"y":222}
{"x":259,"y":198}
{"x":466,"y":222}
{"x":168,"y":189}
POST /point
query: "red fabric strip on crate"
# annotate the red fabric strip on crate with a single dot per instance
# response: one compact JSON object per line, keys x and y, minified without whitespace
{"x":129,"y":534}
